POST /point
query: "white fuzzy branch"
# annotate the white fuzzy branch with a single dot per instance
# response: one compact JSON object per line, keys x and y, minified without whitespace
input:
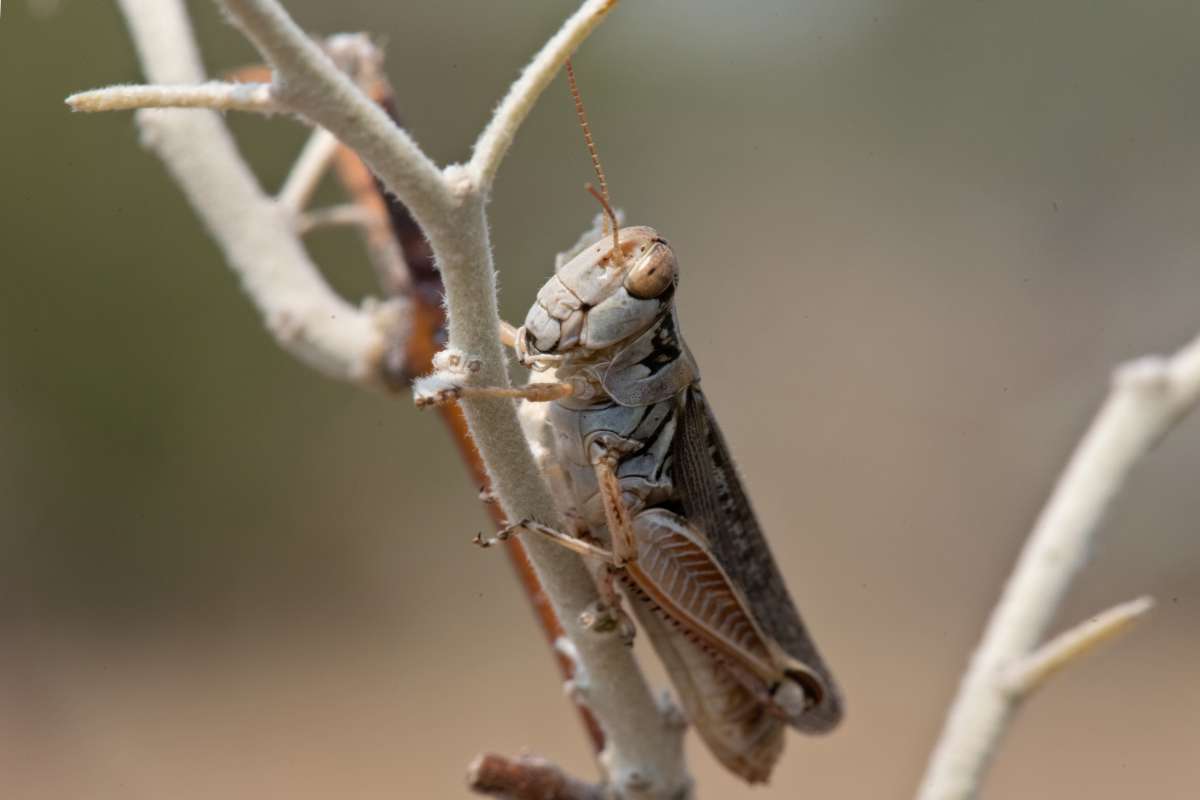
{"x":216,"y":95}
{"x":497,"y":137}
{"x":1148,"y":396}
{"x":255,"y":234}
{"x":308,"y":82}
{"x":643,"y":754}
{"x":1025,"y":676}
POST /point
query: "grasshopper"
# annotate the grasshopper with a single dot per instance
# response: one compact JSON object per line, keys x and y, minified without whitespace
{"x":654,"y":495}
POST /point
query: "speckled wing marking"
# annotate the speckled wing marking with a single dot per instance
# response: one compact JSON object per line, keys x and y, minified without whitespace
{"x":714,"y":501}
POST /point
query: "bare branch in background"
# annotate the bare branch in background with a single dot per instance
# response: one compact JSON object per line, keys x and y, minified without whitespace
{"x":642,"y":756}
{"x":1148,"y":396}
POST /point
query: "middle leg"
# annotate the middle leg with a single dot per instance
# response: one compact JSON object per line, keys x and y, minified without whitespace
{"x":568,"y":541}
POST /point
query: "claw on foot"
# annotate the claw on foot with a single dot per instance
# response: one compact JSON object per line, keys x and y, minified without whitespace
{"x":437,"y":389}
{"x":501,"y":536}
{"x":485,"y":543}
{"x":451,"y":370}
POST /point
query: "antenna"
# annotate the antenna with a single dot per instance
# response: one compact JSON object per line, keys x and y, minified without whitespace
{"x":591,"y":146}
{"x":618,"y":257}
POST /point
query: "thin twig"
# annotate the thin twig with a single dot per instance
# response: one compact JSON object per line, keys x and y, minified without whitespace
{"x":1028,"y":674}
{"x":1148,"y":396}
{"x":399,"y":253}
{"x":339,"y":216}
{"x":216,"y":95}
{"x":386,"y":248}
{"x":306,"y":174}
{"x":492,"y":145}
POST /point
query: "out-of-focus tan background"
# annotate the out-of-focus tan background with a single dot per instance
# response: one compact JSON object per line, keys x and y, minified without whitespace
{"x":916,"y":236}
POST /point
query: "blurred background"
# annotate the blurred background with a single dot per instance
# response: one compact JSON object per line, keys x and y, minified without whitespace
{"x":916,"y":237}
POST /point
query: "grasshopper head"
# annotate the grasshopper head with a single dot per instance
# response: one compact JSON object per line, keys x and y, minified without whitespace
{"x":603,"y":297}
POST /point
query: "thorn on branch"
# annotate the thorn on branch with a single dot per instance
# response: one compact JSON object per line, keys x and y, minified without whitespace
{"x":526,"y":778}
{"x":1035,"y":669}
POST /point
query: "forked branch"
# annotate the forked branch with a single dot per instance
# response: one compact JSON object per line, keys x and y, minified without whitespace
{"x":305,"y":315}
{"x":497,"y":137}
{"x":1148,"y":396}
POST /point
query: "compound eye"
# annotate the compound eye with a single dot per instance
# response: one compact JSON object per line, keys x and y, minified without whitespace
{"x":653,"y":273}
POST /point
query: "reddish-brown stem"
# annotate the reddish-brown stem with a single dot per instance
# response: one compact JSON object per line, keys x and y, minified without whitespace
{"x":547,"y":619}
{"x":526,"y":778}
{"x":422,"y":286}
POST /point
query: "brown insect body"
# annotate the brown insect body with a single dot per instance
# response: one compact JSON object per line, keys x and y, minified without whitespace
{"x":638,"y":463}
{"x":645,"y":469}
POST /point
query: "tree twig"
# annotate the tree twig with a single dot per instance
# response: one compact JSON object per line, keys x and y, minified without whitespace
{"x":216,"y":95}
{"x":1147,"y":397}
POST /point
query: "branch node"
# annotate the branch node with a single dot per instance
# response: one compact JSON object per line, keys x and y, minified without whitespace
{"x":462,"y":181}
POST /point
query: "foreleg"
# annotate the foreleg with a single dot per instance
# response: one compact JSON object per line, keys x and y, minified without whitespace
{"x":451,"y":378}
